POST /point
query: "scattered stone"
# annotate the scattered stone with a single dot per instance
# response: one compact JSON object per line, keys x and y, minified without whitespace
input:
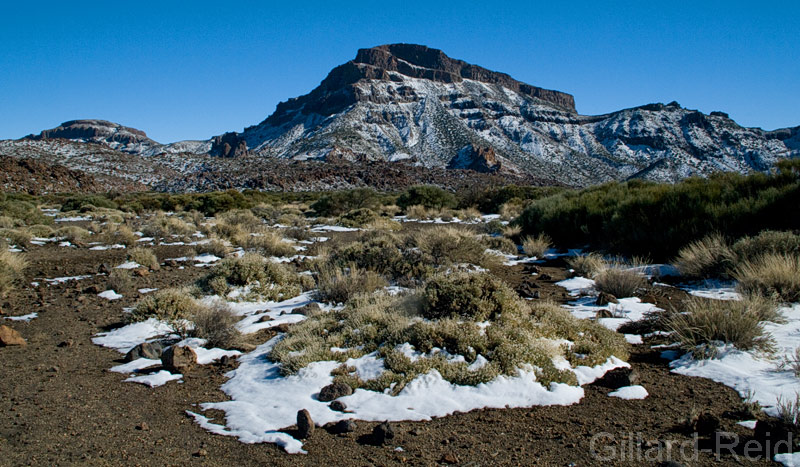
{"x":604,"y":313}
{"x":264,"y":319}
{"x":201,"y":453}
{"x":649,"y":298}
{"x":141,"y":272}
{"x":178,"y":359}
{"x":171,"y":263}
{"x":605,"y":298}
{"x":383,"y":432}
{"x":151,"y":350}
{"x":449,"y":458}
{"x":283,"y":327}
{"x":545,"y":277}
{"x":531,"y":269}
{"x":10,"y":337}
{"x":305,"y":426}
{"x":706,"y":424}
{"x":307,"y":310}
{"x":92,"y":290}
{"x":66,"y":343}
{"x":104,"y":269}
{"x":344,"y":426}
{"x":338,"y":406}
{"x":619,"y":378}
{"x":143,"y":427}
{"x":334,"y":391}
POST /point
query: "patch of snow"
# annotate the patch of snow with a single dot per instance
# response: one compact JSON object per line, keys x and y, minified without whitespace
{"x":788,"y":459}
{"x":633,"y":339}
{"x":134,"y":366}
{"x":206,"y":258}
{"x":577,"y":285}
{"x":156,"y":379}
{"x":61,"y":280}
{"x":367,"y":367}
{"x":109,"y":295}
{"x":127,"y":337}
{"x":146,"y":290}
{"x":73,"y":219}
{"x":129,"y":265}
{"x":630,"y":393}
{"x":718,"y":290}
{"x":333,"y":228}
{"x":751,"y":424}
{"x":23,"y":318}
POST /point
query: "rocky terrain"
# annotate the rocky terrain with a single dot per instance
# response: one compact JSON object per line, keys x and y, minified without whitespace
{"x":411,"y":103}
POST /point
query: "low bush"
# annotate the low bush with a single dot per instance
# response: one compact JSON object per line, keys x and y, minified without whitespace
{"x":175,"y":306}
{"x":217,"y":325}
{"x":501,"y":244}
{"x":706,"y":324}
{"x":770,"y":275}
{"x":357,"y":217}
{"x":339,"y":202}
{"x":19,"y":237}
{"x":40,"y":230}
{"x":337,"y":285}
{"x":162,"y":226}
{"x":262,"y":278}
{"x":619,"y":282}
{"x":510,"y":210}
{"x":12,"y":267}
{"x":430,"y":197}
{"x":144,"y":257}
{"x":113,"y":234}
{"x":536,"y":246}
{"x":518,"y":336}
{"x":779,"y":243}
{"x":418,"y":212}
{"x":705,"y":258}
{"x":264,"y":242}
{"x":23,"y":212}
{"x":587,"y":265}
{"x":213,"y":246}
{"x":120,"y":281}
{"x":450,"y":245}
{"x":72,"y":233}
{"x":475,"y":296}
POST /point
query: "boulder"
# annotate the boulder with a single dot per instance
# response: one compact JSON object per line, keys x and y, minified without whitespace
{"x":619,"y":378}
{"x":10,"y":337}
{"x":338,"y":406}
{"x":334,"y":391}
{"x":305,"y":425}
{"x":151,"y":350}
{"x":178,"y":359}
{"x":344,"y":426}
{"x":605,"y":298}
{"x":382,"y":433}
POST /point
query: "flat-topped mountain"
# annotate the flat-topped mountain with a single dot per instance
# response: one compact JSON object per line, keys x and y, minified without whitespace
{"x":405,"y":102}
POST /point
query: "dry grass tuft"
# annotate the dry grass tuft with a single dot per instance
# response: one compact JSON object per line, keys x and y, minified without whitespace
{"x":146,"y":258}
{"x":587,"y":265}
{"x":619,"y":282}
{"x":217,"y":325}
{"x":12,"y":267}
{"x":771,"y":275}
{"x":337,"y":285}
{"x":709,"y":257}
{"x":536,"y":246}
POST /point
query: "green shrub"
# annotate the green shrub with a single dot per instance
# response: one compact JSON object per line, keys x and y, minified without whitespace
{"x":450,"y":245}
{"x":40,"y":230}
{"x":709,"y":257}
{"x":770,"y":275}
{"x":144,"y":257}
{"x":768,"y":241}
{"x":76,"y":203}
{"x":72,"y":233}
{"x":707,"y":323}
{"x":475,"y":296}
{"x":23,"y":212}
{"x":19,"y":237}
{"x":339,"y":202}
{"x":357,"y":217}
{"x":430,"y":197}
{"x":265,"y":279}
{"x":12,"y":266}
{"x":587,"y":265}
{"x":120,"y":281}
{"x":338,"y":285}
{"x":501,"y":244}
{"x":619,"y":282}
{"x":217,"y":325}
{"x":174,"y":306}
{"x":536,"y":246}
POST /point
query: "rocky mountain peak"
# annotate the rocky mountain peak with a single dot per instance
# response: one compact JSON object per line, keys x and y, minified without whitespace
{"x":99,"y":131}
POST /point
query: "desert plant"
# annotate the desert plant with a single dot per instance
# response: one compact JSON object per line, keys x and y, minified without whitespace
{"x":117,"y":234}
{"x":120,"y":280}
{"x":144,"y":257}
{"x":261,"y":278}
{"x":418,"y":211}
{"x":587,"y":265}
{"x":705,"y":324}
{"x":12,"y":266}
{"x":213,"y":246}
{"x":40,"y":230}
{"x":792,"y":363}
{"x":175,"y":306}
{"x":619,"y":282}
{"x":217,"y":325}
{"x":536,"y":246}
{"x":708,"y":257}
{"x":501,"y":244}
{"x":337,"y":285}
{"x":357,"y":217}
{"x":450,"y":245}
{"x":768,"y":241}
{"x":430,"y":197}
{"x":512,"y":231}
{"x":789,"y":410}
{"x":163,"y":226}
{"x":476,"y":296}
{"x":19,"y":237}
{"x":72,"y":233}
{"x":265,"y":242}
{"x":770,"y":275}
{"x":510,"y":210}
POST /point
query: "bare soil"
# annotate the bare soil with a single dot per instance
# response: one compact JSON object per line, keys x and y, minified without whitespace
{"x":60,"y":405}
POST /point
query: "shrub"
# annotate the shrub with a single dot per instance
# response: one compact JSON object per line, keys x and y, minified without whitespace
{"x":430,"y":197}
{"x":264,"y":242}
{"x":709,"y":257}
{"x":385,"y":253}
{"x":12,"y":266}
{"x":162,"y":226}
{"x":117,"y":234}
{"x":418,"y":211}
{"x":511,"y":231}
{"x":338,"y":285}
{"x":217,"y":325}
{"x":214,"y":247}
{"x":23,"y":212}
{"x":357,"y":217}
{"x":19,"y":237}
{"x":40,"y":230}
{"x":587,"y":265}
{"x":789,"y":410}
{"x":340,"y":202}
{"x":510,"y":210}
{"x":265,"y":279}
{"x":120,"y":281}
{"x":449,"y":245}
{"x":771,"y":275}
{"x":500,"y":244}
{"x":475,"y":296}
{"x":781,"y":243}
{"x":72,"y":233}
{"x":619,"y":282}
{"x":536,"y":246}
{"x":174,"y":306}
{"x":708,"y":323}
{"x":76,"y":203}
{"x":144,"y":257}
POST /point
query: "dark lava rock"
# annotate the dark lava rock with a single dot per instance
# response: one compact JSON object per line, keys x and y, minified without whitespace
{"x":344,"y":426}
{"x":307,"y":310}
{"x":338,"y":406}
{"x":334,"y":391}
{"x":305,"y":426}
{"x":706,"y":424}
{"x":605,"y":298}
{"x":619,"y":378}
{"x":604,"y":313}
{"x":151,"y":350}
{"x":382,"y":433}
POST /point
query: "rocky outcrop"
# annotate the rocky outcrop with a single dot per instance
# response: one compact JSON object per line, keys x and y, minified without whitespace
{"x":111,"y":134}
{"x":228,"y":145}
{"x":36,"y":178}
{"x":480,"y":159}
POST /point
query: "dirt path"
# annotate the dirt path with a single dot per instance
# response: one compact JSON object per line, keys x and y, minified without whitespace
{"x":61,"y":406}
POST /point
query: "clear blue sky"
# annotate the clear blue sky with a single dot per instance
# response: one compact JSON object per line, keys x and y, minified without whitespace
{"x":191,"y":70}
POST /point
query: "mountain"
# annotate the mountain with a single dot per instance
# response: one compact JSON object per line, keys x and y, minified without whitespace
{"x":414,"y":105}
